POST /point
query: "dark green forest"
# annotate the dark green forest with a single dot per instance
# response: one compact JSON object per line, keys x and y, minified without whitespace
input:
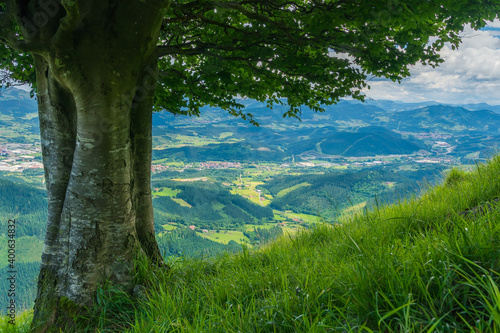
{"x":232,"y":152}
{"x":330,"y":193}
{"x":212,"y":207}
{"x":26,"y":204}
{"x":187,"y":243}
{"x":26,"y":278}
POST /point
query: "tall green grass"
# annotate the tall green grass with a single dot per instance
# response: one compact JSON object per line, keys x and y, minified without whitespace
{"x":20,"y":324}
{"x":415,"y":266}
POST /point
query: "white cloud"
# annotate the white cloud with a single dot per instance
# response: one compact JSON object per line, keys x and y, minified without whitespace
{"x":470,"y":74}
{"x":494,"y":24}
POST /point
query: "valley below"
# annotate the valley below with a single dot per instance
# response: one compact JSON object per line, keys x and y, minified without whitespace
{"x":220,"y":183}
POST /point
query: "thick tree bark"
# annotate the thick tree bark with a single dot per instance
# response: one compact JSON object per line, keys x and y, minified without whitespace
{"x":95,"y":96}
{"x":141,"y":140}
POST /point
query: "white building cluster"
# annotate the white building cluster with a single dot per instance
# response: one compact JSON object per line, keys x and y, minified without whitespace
{"x":19,"y":157}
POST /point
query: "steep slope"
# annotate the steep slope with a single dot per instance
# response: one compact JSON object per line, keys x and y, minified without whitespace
{"x":420,"y":265}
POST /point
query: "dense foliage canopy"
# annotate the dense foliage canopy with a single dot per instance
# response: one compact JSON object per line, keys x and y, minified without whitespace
{"x":307,"y":52}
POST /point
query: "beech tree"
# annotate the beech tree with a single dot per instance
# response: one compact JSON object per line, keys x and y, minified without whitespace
{"x":100,"y":67}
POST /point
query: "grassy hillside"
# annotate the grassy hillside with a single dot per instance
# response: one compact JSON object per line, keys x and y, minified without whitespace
{"x":426,"y":264}
{"x":416,"y":266}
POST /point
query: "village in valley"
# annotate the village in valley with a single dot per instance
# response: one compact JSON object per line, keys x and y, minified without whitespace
{"x":18,"y":157}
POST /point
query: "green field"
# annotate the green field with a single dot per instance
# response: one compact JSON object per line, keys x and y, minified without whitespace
{"x":304,"y":217}
{"x":169,"y":227}
{"x":225,"y":135}
{"x":179,"y":140}
{"x":355,"y":209}
{"x":167,"y":192}
{"x":226,"y":236}
{"x":284,"y":192}
{"x":289,"y":216}
{"x":190,"y":180}
{"x":291,"y":230}
{"x":251,"y":227}
{"x":167,"y":162}
{"x":278,"y":215}
{"x":182,"y":202}
{"x":249,"y":191}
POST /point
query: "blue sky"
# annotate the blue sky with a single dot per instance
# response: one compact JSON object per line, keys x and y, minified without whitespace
{"x":470,"y":74}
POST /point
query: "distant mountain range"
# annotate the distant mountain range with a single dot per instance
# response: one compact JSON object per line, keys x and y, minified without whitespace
{"x":445,"y":119}
{"x":348,"y":129}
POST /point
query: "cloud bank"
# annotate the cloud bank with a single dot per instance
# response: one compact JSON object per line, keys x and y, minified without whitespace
{"x":470,"y":74}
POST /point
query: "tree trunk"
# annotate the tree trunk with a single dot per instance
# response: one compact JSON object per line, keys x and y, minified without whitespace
{"x":95,"y":99}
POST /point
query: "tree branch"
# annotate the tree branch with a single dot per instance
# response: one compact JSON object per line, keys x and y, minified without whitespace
{"x":192,"y":17}
{"x":21,"y":45}
{"x":8,"y":36}
{"x":68,"y":23}
{"x":200,"y":48}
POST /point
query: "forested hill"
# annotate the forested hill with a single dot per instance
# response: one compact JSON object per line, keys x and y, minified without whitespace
{"x":208,"y":206}
{"x":441,"y":118}
{"x":385,"y":113}
{"x":26,"y":204}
